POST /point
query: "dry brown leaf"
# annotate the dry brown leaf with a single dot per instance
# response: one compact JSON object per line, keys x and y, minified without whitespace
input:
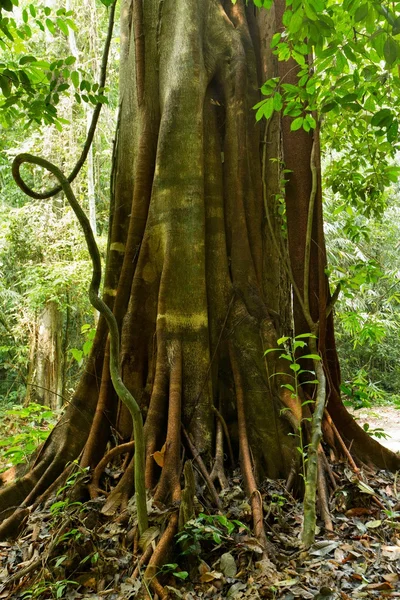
{"x":111,"y":505}
{"x":203,"y":567}
{"x":391,"y":552}
{"x":210,"y":576}
{"x":383,"y":585}
{"x":147,"y":537}
{"x":159,"y":456}
{"x":358,"y":511}
{"x":391,"y":577}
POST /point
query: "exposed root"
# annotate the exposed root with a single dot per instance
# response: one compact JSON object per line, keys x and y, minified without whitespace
{"x":159,"y":555}
{"x":94,"y":486}
{"x":155,"y":421}
{"x":202,"y":468}
{"x":143,"y":559}
{"x":170,"y":474}
{"x":249,"y":479}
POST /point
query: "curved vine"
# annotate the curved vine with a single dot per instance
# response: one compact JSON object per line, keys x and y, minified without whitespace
{"x":123,"y":393}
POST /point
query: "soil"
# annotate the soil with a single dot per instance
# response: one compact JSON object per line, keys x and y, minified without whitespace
{"x":384,"y":423}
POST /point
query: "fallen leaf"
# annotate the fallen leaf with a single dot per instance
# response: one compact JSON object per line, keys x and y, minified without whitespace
{"x":357,"y":512}
{"x":391,"y":552}
{"x":147,"y":537}
{"x":228,"y":565}
{"x":391,"y":577}
{"x":383,"y":585}
{"x":373,"y":524}
{"x":159,"y":456}
{"x":210,"y":576}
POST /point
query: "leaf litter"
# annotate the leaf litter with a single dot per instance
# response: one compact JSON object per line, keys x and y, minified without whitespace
{"x":73,"y":550}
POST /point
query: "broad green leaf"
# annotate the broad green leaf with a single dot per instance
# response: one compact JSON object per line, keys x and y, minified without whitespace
{"x":391,"y":51}
{"x":312,"y":356}
{"x":361,"y":13}
{"x":381,"y":116}
{"x":296,"y":124}
{"x":50,"y":26}
{"x":75,"y":78}
{"x":62,"y":26}
{"x":278,"y":102}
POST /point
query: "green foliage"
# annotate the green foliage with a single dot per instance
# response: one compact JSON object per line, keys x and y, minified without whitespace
{"x":33,"y":82}
{"x":56,"y":589}
{"x":22,"y":429}
{"x":79,"y":354}
{"x":214,"y":529}
{"x":300,"y":377}
{"x":352,"y":82}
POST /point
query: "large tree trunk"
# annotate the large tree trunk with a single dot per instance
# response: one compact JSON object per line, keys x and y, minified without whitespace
{"x":196,"y":282}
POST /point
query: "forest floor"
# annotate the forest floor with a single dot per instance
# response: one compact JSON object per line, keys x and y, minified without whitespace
{"x":82,"y":550}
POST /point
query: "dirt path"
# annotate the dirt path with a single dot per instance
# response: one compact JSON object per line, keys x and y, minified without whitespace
{"x":382,"y":417}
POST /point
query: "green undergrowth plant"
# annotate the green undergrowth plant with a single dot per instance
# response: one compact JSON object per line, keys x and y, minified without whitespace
{"x":289,"y":347}
{"x":22,"y":429}
{"x":214,"y":530}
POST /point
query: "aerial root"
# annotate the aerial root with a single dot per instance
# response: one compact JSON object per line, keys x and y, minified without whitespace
{"x":94,"y":486}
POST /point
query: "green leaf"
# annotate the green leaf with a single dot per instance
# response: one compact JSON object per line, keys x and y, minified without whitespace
{"x":110,"y":2}
{"x":313,"y":356}
{"x":275,"y":39}
{"x":277,"y":102}
{"x":382,"y":115}
{"x":361,"y":13}
{"x":390,"y":50}
{"x":62,"y":26}
{"x":50,"y":26}
{"x":5,"y":85}
{"x":297,"y":124}
{"x":268,"y":108}
{"x":296,"y":21}
{"x":295,"y":367}
{"x":27,"y":59}
{"x":282,"y":340}
{"x":182,"y":574}
{"x":7,"y":5}
{"x":75,"y":78}
{"x":288,"y":386}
